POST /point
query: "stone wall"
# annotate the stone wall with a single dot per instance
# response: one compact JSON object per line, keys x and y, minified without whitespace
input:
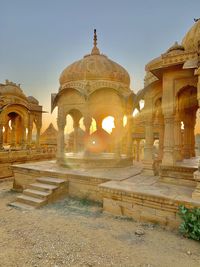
{"x":8,"y":158}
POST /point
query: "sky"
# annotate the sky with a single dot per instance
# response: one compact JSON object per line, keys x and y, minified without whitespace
{"x":39,"y":38}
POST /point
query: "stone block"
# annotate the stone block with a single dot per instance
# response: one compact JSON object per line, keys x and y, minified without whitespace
{"x":112,"y":206}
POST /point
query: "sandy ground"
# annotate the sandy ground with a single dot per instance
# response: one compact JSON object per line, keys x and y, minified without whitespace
{"x":76,"y":233}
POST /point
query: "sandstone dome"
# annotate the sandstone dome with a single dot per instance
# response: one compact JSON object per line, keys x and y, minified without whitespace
{"x":12,"y":89}
{"x":95,"y":66}
{"x":33,"y":100}
{"x":192,"y":37}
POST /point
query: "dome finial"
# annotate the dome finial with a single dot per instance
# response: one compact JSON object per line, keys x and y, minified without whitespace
{"x":95,"y":37}
{"x":95,"y":50}
{"x":195,"y":20}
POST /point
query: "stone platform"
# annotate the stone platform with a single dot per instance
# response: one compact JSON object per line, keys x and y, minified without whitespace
{"x":123,"y":191}
{"x":83,"y":183}
{"x":182,"y":173}
{"x":145,"y":198}
{"x":92,"y":161}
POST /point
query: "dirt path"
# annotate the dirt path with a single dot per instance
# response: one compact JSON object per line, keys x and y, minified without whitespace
{"x":74,"y":233}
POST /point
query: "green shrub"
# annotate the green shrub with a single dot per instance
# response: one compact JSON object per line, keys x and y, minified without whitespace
{"x":190,"y":227}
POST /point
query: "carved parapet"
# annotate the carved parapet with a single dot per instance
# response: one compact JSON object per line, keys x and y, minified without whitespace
{"x":196,"y":192}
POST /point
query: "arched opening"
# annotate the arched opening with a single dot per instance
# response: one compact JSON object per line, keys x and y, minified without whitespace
{"x":108,"y":124}
{"x":14,"y":132}
{"x":186,"y":123}
{"x":74,"y":131}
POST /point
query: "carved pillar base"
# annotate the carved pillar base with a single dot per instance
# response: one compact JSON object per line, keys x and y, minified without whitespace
{"x":196,"y":192}
{"x":168,"y":155}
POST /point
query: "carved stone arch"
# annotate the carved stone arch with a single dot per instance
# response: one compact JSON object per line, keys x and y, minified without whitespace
{"x":179,"y":84}
{"x":60,"y":95}
{"x":187,"y":96}
{"x":19,"y":109}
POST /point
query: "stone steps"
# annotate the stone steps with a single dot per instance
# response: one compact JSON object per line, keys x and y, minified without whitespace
{"x":51,"y":181}
{"x":21,"y":205}
{"x":42,"y":187}
{"x":38,"y":194}
{"x":32,"y":201}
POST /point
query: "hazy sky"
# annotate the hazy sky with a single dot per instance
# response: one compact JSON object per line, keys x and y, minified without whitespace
{"x":39,"y":38}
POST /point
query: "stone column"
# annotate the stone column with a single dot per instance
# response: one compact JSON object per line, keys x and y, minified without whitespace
{"x":23,"y":140}
{"x":148,"y":147}
{"x":61,"y":122}
{"x":192,"y":137}
{"x":129,"y":149}
{"x":38,"y":127}
{"x":118,"y":136}
{"x":1,"y":136}
{"x":75,"y":126}
{"x":13,"y":133}
{"x":177,"y":138}
{"x":196,"y":193}
{"x":138,"y":150}
{"x":30,"y":130}
{"x":168,"y":153}
{"x":161,"y":137}
{"x":87,"y":121}
{"x":6,"y":133}
{"x":187,"y":137}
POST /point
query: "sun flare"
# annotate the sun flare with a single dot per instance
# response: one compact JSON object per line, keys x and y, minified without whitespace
{"x":108,"y":124}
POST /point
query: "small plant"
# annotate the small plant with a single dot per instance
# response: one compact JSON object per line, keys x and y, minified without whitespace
{"x":190,"y":227}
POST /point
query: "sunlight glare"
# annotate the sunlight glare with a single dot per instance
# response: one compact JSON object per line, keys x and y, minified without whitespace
{"x":108,"y":124}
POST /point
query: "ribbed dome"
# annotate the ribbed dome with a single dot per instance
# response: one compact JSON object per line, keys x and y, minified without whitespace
{"x":191,"y":39}
{"x":95,"y":66}
{"x":11,"y":90}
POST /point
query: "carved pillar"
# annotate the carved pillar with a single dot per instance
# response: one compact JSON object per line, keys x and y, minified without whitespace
{"x":1,"y":136}
{"x":168,"y":153}
{"x":187,"y":137}
{"x":118,"y":136}
{"x":196,"y":193}
{"x":138,"y":150}
{"x":6,"y":132}
{"x":76,"y":127}
{"x":30,"y":130}
{"x":148,"y":148}
{"x":161,"y":137}
{"x":129,"y":137}
{"x":61,"y":122}
{"x":23,"y":140}
{"x":192,"y":136}
{"x":38,"y":127}
{"x":13,"y":133}
{"x":177,"y":138}
{"x":87,"y":121}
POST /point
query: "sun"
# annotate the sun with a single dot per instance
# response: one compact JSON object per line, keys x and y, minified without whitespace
{"x":108,"y":124}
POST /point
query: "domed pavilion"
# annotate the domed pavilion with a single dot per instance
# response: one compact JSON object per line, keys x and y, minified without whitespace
{"x":18,"y":116}
{"x":92,"y":89}
{"x":172,"y":98}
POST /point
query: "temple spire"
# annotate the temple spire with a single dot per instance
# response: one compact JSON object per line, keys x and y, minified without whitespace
{"x":95,"y":37}
{"x":95,"y":50}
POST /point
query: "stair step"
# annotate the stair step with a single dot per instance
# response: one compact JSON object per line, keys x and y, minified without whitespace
{"x":50,"y":180}
{"x":36,"y":193}
{"x":21,"y":205}
{"x":42,"y":187}
{"x":36,"y":202}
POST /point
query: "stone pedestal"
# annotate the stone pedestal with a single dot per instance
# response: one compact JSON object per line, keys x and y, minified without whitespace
{"x":196,"y":192}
